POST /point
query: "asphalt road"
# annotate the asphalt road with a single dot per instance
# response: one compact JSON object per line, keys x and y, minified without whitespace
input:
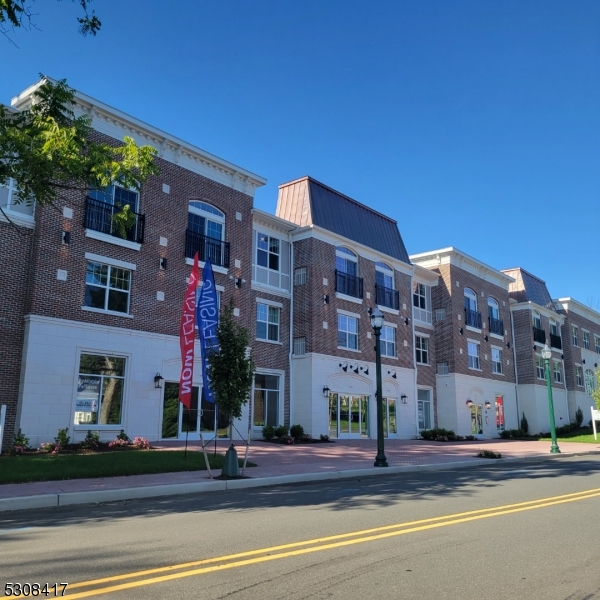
{"x":500,"y":532}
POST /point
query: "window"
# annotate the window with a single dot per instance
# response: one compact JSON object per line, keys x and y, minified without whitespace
{"x":557,"y":370}
{"x":586,"y":339}
{"x":536,"y":319}
{"x":9,"y":202}
{"x":590,"y":382}
{"x":347,"y":332}
{"x":206,"y":234}
{"x":442,"y":368}
{"x":116,"y":195}
{"x":100,"y":390}
{"x":493,"y":309}
{"x":346,"y":261}
{"x":575,"y":335}
{"x":440,"y":314}
{"x":579,"y":375}
{"x":271,"y":263}
{"x":470,"y":300}
{"x":495,"y":322}
{"x":267,"y":322}
{"x":540,"y":368}
{"x":422,"y":349}
{"x":472,"y":316}
{"x":388,"y":341}
{"x":300,"y":346}
{"x":300,"y":276}
{"x":384,"y":275}
{"x":554,"y":328}
{"x":347,"y":281}
{"x":499,"y":406}
{"x":107,"y":287}
{"x":385,"y":294}
{"x":473,"y":351}
{"x":267,"y":251}
{"x":497,"y":361}
{"x":424,"y":409}
{"x":266,"y":400}
{"x":422,"y":302}
{"x":597,"y":343}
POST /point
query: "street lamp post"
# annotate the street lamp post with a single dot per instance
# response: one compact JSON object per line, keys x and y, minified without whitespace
{"x":546,"y":354}
{"x":377,"y":323}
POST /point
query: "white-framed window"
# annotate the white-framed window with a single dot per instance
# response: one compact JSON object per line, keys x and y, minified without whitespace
{"x":473,"y":352}
{"x":346,"y":261}
{"x":540,"y":368}
{"x":597,"y":343}
{"x":536,"y":319}
{"x":442,"y":368}
{"x":575,"y":335}
{"x":267,"y":322}
{"x":107,"y":287}
{"x":271,"y":262}
{"x":590,"y":382}
{"x":579,"y":375}
{"x":266,"y":400}
{"x":422,"y":302}
{"x":440,"y":314}
{"x":300,"y":276}
{"x":422,"y":349}
{"x":347,"y":332}
{"x":385,"y":294}
{"x":472,"y":315}
{"x":586,"y":339}
{"x":388,"y":341}
{"x":470,"y":300}
{"x":557,"y":370}
{"x":267,"y":251}
{"x":9,"y":202}
{"x":299,"y":346}
{"x":384,"y":275}
{"x":205,"y":219}
{"x":116,"y":195}
{"x":497,"y":361}
{"x":100,"y":390}
{"x":554,"y":329}
{"x":493,"y":309}
{"x":424,"y":409}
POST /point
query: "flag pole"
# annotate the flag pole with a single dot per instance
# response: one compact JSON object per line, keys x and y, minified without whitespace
{"x":187,"y":432}
{"x":216,"y":426}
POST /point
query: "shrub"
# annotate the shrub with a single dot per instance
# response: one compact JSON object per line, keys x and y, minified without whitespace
{"x":505,"y":434}
{"x":47,"y":446}
{"x":91,"y":441}
{"x":268,"y":432}
{"x":579,"y":417}
{"x":123,"y":436}
{"x":20,"y":440}
{"x":324,"y":438}
{"x":62,"y":437}
{"x":432,"y":434}
{"x":524,"y":424}
{"x":119,"y":443}
{"x":281,"y":431}
{"x":297,"y":432}
{"x":141,"y":443}
{"x":489,"y":454}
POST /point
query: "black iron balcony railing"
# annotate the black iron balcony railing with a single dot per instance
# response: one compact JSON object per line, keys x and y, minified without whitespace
{"x":385,"y":296}
{"x":206,"y":247}
{"x":496,"y":326}
{"x":99,"y":217}
{"x":472,"y":318}
{"x":348,"y":284}
{"x":555,"y":341}
{"x":539,"y":335}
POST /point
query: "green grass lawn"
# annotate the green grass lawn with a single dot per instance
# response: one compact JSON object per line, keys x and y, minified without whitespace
{"x":44,"y":467}
{"x":575,"y":436}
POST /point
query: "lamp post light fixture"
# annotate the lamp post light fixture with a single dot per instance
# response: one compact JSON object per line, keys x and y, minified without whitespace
{"x":546,"y":354}
{"x":377,"y":323}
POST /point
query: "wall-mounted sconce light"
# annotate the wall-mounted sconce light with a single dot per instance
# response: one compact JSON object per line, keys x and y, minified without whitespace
{"x":162,"y":263}
{"x":469,"y":402}
{"x":562,"y":357}
{"x":583,"y":361}
{"x":326,"y":391}
{"x":595,"y":365}
{"x":460,"y":330}
{"x":406,"y":320}
{"x":392,"y":374}
{"x":345,"y":367}
{"x":508,"y":344}
{"x":356,"y":369}
{"x":485,"y":337}
{"x":365,"y":370}
{"x":238,"y":283}
{"x":404,"y":399}
{"x":65,"y":237}
{"x":325,"y":298}
{"x":158,"y":379}
{"x":488,"y":404}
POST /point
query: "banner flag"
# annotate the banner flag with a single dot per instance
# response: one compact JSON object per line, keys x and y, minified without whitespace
{"x":208,"y":320}
{"x":187,"y":334}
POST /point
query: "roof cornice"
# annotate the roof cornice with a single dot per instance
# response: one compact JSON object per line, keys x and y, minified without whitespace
{"x":572,"y":305}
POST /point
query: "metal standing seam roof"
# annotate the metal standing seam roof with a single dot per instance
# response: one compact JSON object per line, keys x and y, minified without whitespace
{"x":529,"y":288}
{"x":344,"y":216}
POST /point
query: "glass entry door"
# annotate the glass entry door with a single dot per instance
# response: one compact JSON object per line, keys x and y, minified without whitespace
{"x":476,"y":419}
{"x":390,"y":423}
{"x":348,"y":416}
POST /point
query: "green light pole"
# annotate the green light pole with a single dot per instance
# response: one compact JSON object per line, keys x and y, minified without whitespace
{"x":377,"y":323}
{"x":546,"y":354}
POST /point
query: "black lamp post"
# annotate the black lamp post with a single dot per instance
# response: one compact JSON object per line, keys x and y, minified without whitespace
{"x":546,"y":354}
{"x":377,"y":323}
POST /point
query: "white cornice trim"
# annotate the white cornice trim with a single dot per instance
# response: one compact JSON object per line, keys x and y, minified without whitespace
{"x":541,"y":309}
{"x":425,"y":276}
{"x":329,"y":237}
{"x":266,"y":219}
{"x":572,"y":305}
{"x":453,"y":256}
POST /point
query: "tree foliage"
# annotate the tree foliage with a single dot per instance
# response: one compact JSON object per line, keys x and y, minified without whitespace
{"x":231,"y":370}
{"x":46,"y":149}
{"x":596,"y":389}
{"x":17,"y":13}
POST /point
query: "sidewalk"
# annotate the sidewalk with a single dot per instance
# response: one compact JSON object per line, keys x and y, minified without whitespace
{"x":278,"y":464}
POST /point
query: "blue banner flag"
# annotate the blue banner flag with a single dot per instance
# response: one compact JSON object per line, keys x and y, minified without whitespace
{"x":207,"y":317}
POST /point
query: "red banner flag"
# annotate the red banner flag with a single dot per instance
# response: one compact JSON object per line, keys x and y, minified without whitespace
{"x":187,"y":334}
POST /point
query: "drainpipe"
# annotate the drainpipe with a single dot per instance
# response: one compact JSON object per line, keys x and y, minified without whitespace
{"x":512,"y":329}
{"x":412,"y":325}
{"x":291,"y":324}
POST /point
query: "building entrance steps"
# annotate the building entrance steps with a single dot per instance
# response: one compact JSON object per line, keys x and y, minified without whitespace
{"x":279,"y":464}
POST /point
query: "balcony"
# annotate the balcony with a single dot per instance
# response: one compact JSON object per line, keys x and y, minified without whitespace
{"x":348,"y":284}
{"x":385,"y":296}
{"x":496,"y":326}
{"x":207,"y":248}
{"x":555,"y":341}
{"x":472,"y":318}
{"x":99,"y":217}
{"x":539,"y":335}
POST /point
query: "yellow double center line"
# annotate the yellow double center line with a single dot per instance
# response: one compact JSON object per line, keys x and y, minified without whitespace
{"x":251,"y":557}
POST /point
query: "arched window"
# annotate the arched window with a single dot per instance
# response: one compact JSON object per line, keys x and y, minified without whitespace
{"x":347,"y":281}
{"x":470,"y":300}
{"x":346,"y":261}
{"x":384,"y":275}
{"x":554,"y":327}
{"x":493,"y":309}
{"x":536,"y":319}
{"x":385,"y":294}
{"x":472,"y":316}
{"x":206,"y":234}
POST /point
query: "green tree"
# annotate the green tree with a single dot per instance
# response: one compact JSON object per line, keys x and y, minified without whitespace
{"x":596,"y":389}
{"x":231,"y":369}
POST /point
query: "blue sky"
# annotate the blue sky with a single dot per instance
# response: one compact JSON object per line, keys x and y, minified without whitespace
{"x":474,"y":124}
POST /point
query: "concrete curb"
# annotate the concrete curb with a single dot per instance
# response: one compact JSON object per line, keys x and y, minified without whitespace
{"x":177,"y":489}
